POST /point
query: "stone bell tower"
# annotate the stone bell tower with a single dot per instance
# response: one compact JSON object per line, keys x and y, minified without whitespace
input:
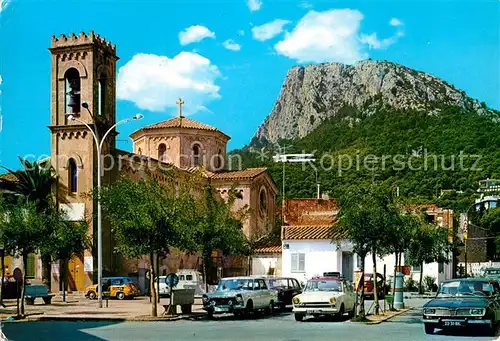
{"x":83,"y":85}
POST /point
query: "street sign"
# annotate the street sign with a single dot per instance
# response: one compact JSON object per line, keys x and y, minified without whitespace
{"x":172,"y":280}
{"x":18,"y":274}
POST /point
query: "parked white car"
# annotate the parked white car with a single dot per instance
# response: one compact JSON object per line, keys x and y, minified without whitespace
{"x":324,"y":296}
{"x":188,"y":279}
{"x":240,"y":295}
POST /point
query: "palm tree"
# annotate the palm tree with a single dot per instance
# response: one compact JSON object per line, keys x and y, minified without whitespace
{"x":34,"y":182}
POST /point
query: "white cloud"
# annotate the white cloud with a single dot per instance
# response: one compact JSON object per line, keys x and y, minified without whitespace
{"x":269,"y":30}
{"x":4,"y":4}
{"x":305,"y":5}
{"x":230,"y":44}
{"x":395,"y":22}
{"x":1,"y":80}
{"x":374,"y":43}
{"x":324,"y":37}
{"x":155,"y":82}
{"x":241,"y":32}
{"x":254,"y":5}
{"x":194,"y":34}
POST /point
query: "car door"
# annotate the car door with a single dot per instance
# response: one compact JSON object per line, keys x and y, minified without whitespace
{"x":348,"y":295}
{"x":259,"y":287}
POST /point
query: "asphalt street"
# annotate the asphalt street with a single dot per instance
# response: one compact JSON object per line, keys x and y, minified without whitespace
{"x":259,"y":328}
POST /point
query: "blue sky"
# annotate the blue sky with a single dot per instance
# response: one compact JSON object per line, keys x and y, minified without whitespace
{"x":227,"y":66}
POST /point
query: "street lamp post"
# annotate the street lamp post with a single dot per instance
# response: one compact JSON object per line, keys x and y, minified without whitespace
{"x":99,"y":144}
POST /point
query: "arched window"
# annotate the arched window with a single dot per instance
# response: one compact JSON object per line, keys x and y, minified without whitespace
{"x":218,"y":160}
{"x":162,"y":149}
{"x":102,"y":95}
{"x":72,"y":176}
{"x":263,"y":201}
{"x":72,"y":84}
{"x":196,"y":155}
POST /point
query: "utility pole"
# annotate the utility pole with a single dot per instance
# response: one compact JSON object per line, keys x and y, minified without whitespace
{"x":317,"y":185}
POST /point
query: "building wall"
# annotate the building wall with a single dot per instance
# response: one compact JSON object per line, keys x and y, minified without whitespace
{"x":431,"y":269}
{"x":261,"y":264}
{"x":320,"y":256}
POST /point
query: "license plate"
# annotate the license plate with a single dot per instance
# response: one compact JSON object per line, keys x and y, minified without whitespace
{"x":315,"y":311}
{"x":452,"y":323}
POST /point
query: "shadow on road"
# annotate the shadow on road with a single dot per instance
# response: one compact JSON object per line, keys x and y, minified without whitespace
{"x":48,"y":330}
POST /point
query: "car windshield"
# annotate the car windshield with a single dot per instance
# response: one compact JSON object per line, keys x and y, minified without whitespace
{"x":278,"y":283}
{"x":465,"y":288}
{"x":323,"y":285}
{"x":235,"y":284}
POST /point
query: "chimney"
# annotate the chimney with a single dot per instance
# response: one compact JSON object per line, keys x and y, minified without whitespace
{"x":325,"y":196}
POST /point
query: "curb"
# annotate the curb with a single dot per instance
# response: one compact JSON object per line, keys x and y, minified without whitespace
{"x":97,"y":319}
{"x":400,"y":312}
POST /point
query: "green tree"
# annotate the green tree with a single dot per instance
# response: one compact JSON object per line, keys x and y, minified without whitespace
{"x":490,"y":221}
{"x":68,"y":239}
{"x":217,"y":227}
{"x":368,"y":215}
{"x":148,"y":217}
{"x":428,"y":243}
{"x":23,"y":232}
{"x":34,"y":182}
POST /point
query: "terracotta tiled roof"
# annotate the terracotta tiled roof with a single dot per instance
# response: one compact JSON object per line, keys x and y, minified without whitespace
{"x":310,"y":211}
{"x":248,"y":173}
{"x":183,"y":122}
{"x":269,"y":249}
{"x":8,"y":177}
{"x":308,"y":232}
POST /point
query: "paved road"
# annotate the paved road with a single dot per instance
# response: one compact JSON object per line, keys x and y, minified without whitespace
{"x":259,"y":328}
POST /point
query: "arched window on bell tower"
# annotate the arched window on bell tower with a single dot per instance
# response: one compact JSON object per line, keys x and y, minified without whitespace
{"x":72,"y":176}
{"x":162,"y":150}
{"x":196,"y":155}
{"x":102,"y":95}
{"x":72,"y":84}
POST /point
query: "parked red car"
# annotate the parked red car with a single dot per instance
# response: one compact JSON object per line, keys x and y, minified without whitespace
{"x":368,"y":283}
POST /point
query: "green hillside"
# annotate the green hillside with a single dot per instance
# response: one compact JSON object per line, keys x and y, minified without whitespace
{"x":422,"y":154}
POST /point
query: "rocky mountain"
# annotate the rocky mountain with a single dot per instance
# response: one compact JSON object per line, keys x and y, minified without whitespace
{"x":311,"y":94}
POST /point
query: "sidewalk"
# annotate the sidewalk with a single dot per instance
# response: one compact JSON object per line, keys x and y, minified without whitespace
{"x":77,"y":307}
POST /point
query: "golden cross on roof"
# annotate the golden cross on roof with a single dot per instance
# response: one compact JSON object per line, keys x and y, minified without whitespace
{"x":180,"y":102}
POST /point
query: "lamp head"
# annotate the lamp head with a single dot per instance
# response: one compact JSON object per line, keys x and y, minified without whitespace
{"x":85,"y":105}
{"x":138,"y":117}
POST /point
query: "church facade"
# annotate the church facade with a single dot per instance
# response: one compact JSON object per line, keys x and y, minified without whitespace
{"x":83,"y":81}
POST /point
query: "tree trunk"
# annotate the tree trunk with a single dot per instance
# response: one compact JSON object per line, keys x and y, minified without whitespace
{"x":154,"y":302}
{"x":2,"y":255}
{"x":362,"y":313}
{"x":46,"y":271}
{"x":205,"y":268}
{"x":23,"y":287}
{"x":420,"y":289}
{"x":64,"y":276}
{"x":375,"y":291}
{"x":394,"y":277}
{"x":158,"y":276}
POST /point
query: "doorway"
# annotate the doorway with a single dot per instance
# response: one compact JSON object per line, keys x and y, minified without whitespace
{"x":348,"y":265}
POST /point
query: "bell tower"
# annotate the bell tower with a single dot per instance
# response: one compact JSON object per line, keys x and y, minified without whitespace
{"x":83,"y":78}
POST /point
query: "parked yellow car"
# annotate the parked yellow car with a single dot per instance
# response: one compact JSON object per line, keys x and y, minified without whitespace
{"x":119,"y":287}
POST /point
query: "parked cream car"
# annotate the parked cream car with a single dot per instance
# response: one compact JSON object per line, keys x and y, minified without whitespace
{"x":240,"y":295}
{"x":324,"y":296}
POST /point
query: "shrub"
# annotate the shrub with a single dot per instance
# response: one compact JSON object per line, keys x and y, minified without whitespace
{"x":410,"y":285}
{"x":429,"y":283}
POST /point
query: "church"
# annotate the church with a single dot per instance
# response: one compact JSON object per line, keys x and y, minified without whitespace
{"x":83,"y":95}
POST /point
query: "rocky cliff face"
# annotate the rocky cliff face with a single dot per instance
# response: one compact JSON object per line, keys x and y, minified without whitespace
{"x":314,"y":93}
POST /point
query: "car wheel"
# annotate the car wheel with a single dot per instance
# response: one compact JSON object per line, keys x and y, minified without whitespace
{"x":92,"y":295}
{"x":350,"y":313}
{"x":428,"y":329}
{"x":270,"y":308}
{"x":299,"y":317}
{"x":210,"y":314}
{"x":120,"y":295}
{"x":248,"y":308}
{"x":341,"y":311}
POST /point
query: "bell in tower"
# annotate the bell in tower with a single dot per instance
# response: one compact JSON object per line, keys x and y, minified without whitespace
{"x":72,"y":78}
